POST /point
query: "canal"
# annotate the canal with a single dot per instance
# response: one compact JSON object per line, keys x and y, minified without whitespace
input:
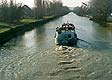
{"x":23,"y":58}
{"x":94,"y":36}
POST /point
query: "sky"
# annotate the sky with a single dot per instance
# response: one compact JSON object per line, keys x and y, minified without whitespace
{"x":73,"y":3}
{"x":69,"y":3}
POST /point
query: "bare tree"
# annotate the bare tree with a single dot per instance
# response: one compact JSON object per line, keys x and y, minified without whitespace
{"x":101,"y":9}
{"x":38,"y":8}
{"x":47,"y":8}
{"x":10,"y":12}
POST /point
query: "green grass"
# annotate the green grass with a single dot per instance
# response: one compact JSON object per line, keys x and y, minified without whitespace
{"x":4,"y":29}
{"x":46,"y":17}
{"x":4,"y":24}
{"x":28,"y":20}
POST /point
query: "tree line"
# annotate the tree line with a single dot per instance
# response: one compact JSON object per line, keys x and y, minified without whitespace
{"x":10,"y":12}
{"x":48,"y":8}
{"x":99,"y":10}
{"x":13,"y":12}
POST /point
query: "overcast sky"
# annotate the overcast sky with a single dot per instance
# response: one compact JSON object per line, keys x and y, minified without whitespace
{"x":69,"y":3}
{"x":73,"y":3}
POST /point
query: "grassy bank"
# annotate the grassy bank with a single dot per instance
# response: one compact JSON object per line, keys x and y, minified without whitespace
{"x":7,"y":26}
{"x":8,"y":31}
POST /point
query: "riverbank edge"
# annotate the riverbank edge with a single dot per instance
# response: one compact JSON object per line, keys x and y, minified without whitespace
{"x":20,"y":29}
{"x":108,"y":23}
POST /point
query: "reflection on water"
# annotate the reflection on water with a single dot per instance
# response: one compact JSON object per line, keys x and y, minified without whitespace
{"x":29,"y":39}
{"x":42,"y":37}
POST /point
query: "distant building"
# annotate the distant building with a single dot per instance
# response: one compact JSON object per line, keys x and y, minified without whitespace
{"x":28,"y":12}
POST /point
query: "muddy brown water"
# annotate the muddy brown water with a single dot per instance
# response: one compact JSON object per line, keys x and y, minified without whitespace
{"x":31,"y":56}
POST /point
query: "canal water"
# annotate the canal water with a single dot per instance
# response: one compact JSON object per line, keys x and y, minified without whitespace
{"x":22,"y":57}
{"x":91,"y":34}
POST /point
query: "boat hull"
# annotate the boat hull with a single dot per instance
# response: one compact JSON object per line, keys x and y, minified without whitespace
{"x":66,"y":42}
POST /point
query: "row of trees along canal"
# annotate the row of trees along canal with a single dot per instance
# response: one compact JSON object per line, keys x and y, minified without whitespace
{"x":12,"y":12}
{"x":97,"y":10}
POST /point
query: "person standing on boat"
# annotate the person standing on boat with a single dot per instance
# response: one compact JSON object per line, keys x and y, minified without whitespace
{"x":63,"y":24}
{"x":72,"y":26}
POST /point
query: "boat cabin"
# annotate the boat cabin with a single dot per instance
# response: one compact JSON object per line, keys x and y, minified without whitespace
{"x":65,"y":35}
